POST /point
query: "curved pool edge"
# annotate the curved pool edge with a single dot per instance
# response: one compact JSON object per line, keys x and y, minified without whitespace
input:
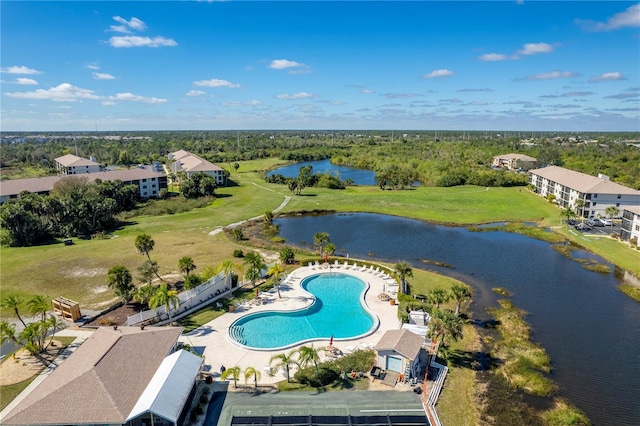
{"x":363,"y":303}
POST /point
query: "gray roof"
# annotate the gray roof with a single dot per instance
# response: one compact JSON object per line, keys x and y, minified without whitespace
{"x":71,"y":160}
{"x":581,"y":182}
{"x":633,"y":209}
{"x":101,"y":381}
{"x":45,"y":184}
{"x":402,"y":341}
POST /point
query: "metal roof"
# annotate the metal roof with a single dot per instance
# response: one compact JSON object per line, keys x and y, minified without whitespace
{"x":170,"y":386}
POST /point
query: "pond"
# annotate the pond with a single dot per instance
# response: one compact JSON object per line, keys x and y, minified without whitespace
{"x":589,"y":328}
{"x":359,"y":176}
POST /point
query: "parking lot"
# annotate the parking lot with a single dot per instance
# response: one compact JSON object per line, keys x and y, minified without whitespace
{"x":584,"y":227}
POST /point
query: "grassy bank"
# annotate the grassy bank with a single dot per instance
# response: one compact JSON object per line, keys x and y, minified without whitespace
{"x":524,"y":363}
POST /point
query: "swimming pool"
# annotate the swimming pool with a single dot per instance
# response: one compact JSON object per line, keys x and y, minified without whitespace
{"x":338,"y":311}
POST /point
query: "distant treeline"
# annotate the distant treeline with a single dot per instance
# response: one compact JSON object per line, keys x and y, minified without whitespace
{"x":434,"y":158}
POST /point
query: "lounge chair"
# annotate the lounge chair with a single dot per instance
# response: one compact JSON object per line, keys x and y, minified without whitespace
{"x":349,"y":348}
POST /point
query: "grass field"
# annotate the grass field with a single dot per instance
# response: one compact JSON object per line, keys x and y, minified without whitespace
{"x":79,"y":271}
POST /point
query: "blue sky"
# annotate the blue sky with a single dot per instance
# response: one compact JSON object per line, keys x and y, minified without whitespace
{"x":190,"y":65}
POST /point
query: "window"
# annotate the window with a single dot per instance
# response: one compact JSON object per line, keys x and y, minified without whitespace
{"x":144,"y":180}
{"x":595,"y":195}
{"x":617,"y":204}
{"x":153,"y":186}
{"x":144,"y":186}
{"x":619,"y":196}
{"x":594,"y":204}
{"x":637,"y":227}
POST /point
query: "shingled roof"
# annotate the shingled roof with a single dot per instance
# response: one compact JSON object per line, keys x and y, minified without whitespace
{"x":402,"y":341}
{"x":101,"y":382}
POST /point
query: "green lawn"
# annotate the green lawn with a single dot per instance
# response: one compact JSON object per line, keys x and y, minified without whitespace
{"x":79,"y":271}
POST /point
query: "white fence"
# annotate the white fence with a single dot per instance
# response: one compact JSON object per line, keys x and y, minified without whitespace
{"x":202,"y":295}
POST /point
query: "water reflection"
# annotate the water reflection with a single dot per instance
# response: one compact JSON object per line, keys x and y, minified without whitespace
{"x":359,"y":176}
{"x":588,"y":327}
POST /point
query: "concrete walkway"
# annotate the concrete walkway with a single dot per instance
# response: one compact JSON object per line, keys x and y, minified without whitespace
{"x":213,"y":340}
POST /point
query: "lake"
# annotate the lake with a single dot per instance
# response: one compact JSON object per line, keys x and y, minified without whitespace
{"x":590,"y":330}
{"x":359,"y":176}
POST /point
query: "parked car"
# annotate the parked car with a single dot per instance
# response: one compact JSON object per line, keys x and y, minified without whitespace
{"x":583,"y":226}
{"x":606,"y":222}
{"x":595,"y":222}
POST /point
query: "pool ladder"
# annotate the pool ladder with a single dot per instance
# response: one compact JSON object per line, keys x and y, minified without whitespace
{"x":236,"y":333}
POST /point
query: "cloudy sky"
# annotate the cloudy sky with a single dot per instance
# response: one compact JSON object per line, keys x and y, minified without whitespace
{"x":209,"y":65}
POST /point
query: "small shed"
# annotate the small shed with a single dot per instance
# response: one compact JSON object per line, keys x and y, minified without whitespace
{"x":400,"y":351}
{"x":67,"y":309}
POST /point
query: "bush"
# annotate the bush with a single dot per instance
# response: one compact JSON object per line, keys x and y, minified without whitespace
{"x":238,"y":253}
{"x":203,"y":399}
{"x":309,"y":377}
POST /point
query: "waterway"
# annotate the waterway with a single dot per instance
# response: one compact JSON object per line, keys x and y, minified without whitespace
{"x":359,"y":176}
{"x":590,"y":330}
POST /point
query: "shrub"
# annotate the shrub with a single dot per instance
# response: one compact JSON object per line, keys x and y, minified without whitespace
{"x":203,"y":399}
{"x":238,"y":253}
{"x":309,"y":377}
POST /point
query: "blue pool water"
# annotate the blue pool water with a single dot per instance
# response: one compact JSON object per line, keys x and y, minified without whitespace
{"x":338,"y":311}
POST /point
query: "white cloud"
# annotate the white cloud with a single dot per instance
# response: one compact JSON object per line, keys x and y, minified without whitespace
{"x":26,"y":81}
{"x":214,"y":82}
{"x":102,"y":76}
{"x":534,"y":48}
{"x":20,"y":70}
{"x":629,"y":18}
{"x":134,"y":23}
{"x":92,"y":67}
{"x":280,"y":64}
{"x":552,"y":75}
{"x":64,"y":92}
{"x":438,"y":74}
{"x":366,"y":91}
{"x":242,"y":104}
{"x":137,"y":41}
{"x":299,"y":95}
{"x":195,"y":93}
{"x":493,"y":57}
{"x":108,"y":103}
{"x":136,"y":98}
{"x":607,"y":76}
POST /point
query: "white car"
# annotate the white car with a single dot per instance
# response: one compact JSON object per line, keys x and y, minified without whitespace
{"x":607,"y":222}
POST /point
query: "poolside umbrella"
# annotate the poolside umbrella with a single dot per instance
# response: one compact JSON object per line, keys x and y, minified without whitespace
{"x":331,"y":341}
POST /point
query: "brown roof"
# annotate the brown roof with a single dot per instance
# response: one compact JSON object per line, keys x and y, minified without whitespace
{"x":71,"y":160}
{"x":517,"y":156}
{"x":192,"y":163}
{"x":45,"y":184}
{"x":101,"y":381}
{"x":581,"y":182}
{"x":633,"y":209}
{"x":402,"y":341}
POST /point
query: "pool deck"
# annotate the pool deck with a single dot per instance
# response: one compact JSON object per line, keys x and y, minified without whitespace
{"x":212,"y":339}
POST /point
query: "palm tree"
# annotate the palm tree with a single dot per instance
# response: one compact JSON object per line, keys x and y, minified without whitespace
{"x":54,"y":324}
{"x":612,"y":211}
{"x":234,"y":373}
{"x":225,"y":266}
{"x":579,"y":204}
{"x":275,"y":272}
{"x":255,"y":264}
{"x":403,"y":269}
{"x":567,"y":213}
{"x":186,"y":265}
{"x":284,"y":361}
{"x":330,"y":248}
{"x":13,"y":302}
{"x":460,"y":293}
{"x":445,"y":324}
{"x":308,"y":355}
{"x":8,"y":333}
{"x":437,"y":296}
{"x":250,"y":371}
{"x":268,"y":217}
{"x":145,"y":293}
{"x":144,"y":244}
{"x":165,"y":297}
{"x":319,"y":240}
{"x":39,"y":305}
{"x":119,"y":279}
